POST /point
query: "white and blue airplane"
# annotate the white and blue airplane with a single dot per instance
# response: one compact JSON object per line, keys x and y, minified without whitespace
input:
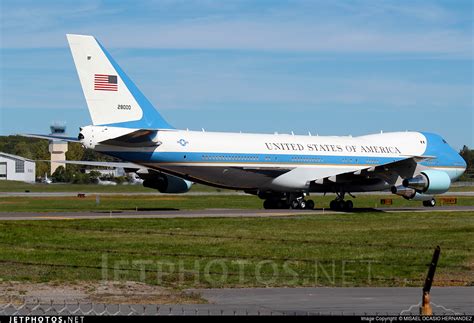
{"x":282,"y":169}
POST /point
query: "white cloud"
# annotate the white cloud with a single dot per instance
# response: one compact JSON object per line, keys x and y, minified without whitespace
{"x":370,"y":27}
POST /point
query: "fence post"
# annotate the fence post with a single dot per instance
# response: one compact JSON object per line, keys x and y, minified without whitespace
{"x":425,"y":308}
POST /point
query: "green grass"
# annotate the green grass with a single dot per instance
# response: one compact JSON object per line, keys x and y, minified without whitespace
{"x":16,"y":186}
{"x":363,"y":249}
{"x":184,"y":202}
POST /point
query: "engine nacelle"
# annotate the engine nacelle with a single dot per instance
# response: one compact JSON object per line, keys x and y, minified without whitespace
{"x":405,"y":192}
{"x":429,"y":182}
{"x":165,"y":183}
{"x":410,"y":194}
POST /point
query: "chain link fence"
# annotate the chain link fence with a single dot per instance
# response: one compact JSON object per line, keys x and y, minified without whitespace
{"x":85,"y":309}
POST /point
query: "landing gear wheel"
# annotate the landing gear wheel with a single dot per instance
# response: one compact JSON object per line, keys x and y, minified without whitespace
{"x":280,"y":204}
{"x":348,"y":205}
{"x":302,"y":204}
{"x":309,"y":204}
{"x":429,"y":203}
{"x":340,"y":205}
{"x":295,"y":204}
{"x":267,"y":204}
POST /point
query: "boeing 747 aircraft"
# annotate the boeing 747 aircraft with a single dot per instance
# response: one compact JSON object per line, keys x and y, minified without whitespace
{"x":281,"y":169}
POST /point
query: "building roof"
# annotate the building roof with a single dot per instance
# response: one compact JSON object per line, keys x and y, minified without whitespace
{"x":15,"y":157}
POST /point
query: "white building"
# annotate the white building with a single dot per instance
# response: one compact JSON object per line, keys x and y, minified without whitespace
{"x":16,"y":168}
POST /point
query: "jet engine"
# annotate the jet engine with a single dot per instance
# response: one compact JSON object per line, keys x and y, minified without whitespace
{"x":410,"y":194}
{"x":165,"y":183}
{"x":429,"y":182}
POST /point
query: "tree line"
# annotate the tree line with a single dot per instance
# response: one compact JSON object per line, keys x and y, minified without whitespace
{"x":468,"y":155}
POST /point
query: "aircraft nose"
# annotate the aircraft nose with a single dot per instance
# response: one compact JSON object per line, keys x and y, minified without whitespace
{"x":464,"y":164}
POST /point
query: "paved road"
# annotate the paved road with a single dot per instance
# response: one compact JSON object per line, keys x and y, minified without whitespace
{"x":208,"y":213}
{"x":280,"y":301}
{"x":340,"y":300}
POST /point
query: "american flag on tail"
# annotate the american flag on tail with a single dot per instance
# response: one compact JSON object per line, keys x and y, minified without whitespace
{"x":104,"y":82}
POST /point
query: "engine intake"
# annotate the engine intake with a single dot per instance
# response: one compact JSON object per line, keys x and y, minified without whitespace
{"x":429,"y":182}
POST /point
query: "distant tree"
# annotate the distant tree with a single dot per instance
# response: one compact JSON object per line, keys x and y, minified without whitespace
{"x":468,"y":155}
{"x":59,"y":174}
{"x":94,"y":175}
{"x":120,"y":179}
{"x":23,"y":149}
{"x":81,"y":178}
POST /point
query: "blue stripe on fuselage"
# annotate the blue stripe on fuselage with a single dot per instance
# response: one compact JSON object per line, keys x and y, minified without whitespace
{"x":204,"y":157}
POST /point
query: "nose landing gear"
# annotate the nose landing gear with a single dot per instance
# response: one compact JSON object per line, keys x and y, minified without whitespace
{"x":429,"y":203}
{"x":301,"y":203}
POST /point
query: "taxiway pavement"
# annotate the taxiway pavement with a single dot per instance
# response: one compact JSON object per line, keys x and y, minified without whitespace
{"x":208,"y":213}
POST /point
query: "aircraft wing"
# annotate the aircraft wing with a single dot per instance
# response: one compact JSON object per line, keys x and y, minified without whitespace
{"x":390,"y":172}
{"x":303,"y":176}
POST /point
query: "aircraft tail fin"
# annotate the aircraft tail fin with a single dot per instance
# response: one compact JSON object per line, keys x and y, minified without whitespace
{"x":112,"y":98}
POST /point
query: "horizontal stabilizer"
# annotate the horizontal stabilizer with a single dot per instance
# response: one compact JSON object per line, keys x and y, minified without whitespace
{"x":98,"y":163}
{"x":51,"y":137}
{"x":139,"y":138}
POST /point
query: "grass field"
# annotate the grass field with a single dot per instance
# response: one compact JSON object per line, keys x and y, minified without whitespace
{"x":16,"y":186}
{"x":364,"y":249}
{"x":183,"y":202}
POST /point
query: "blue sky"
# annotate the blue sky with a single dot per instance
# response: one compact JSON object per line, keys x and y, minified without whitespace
{"x":329,"y":67}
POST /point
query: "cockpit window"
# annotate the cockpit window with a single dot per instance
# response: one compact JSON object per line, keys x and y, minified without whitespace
{"x":444,"y":141}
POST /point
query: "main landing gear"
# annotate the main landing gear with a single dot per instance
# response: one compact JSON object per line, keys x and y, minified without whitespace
{"x":429,"y":203}
{"x":288,"y":201}
{"x":340,"y":205}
